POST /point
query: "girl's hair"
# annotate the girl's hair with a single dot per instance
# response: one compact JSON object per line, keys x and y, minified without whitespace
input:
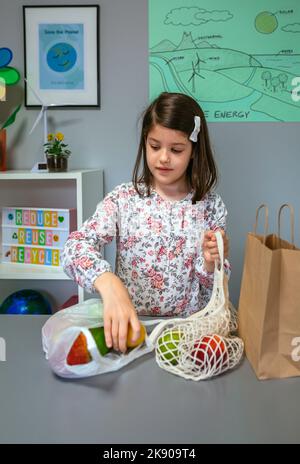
{"x":177,"y":111}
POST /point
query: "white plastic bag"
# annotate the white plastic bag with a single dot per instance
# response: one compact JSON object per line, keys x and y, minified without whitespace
{"x":61,"y":330}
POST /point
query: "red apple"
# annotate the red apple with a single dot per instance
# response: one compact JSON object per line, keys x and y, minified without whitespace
{"x":209,"y":351}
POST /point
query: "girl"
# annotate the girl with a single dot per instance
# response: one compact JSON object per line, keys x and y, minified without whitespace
{"x":163,"y":221}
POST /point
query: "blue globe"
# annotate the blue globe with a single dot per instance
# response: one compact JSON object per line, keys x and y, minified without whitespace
{"x":25,"y":302}
{"x":61,"y":57}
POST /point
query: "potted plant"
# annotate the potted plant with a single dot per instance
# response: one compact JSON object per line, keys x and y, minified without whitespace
{"x":57,"y":153}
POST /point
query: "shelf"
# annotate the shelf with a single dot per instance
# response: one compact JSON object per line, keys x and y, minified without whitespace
{"x":23,"y":175}
{"x":29,"y":271}
{"x":79,"y":188}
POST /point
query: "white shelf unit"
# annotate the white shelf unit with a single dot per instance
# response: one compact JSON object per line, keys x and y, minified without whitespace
{"x":80,"y":189}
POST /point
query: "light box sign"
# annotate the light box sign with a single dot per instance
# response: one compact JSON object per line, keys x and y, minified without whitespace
{"x":31,"y":255}
{"x":35,"y":235}
{"x":40,"y":217}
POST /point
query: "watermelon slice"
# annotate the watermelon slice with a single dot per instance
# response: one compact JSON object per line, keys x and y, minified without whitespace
{"x":79,"y":353}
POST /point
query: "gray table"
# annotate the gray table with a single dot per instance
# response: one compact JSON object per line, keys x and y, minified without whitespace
{"x":139,"y":404}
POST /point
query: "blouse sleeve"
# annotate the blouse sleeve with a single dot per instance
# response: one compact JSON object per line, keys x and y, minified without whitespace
{"x":216,"y":214}
{"x":82,"y":259}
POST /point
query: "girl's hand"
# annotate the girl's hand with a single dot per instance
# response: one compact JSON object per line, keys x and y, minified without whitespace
{"x":118,"y":313}
{"x":210,"y":248}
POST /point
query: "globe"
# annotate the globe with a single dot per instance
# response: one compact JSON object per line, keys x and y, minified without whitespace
{"x":25,"y":302}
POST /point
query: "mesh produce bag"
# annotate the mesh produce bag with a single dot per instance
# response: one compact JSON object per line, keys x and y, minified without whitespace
{"x":201,"y":346}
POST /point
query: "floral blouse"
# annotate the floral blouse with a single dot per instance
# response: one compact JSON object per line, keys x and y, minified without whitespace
{"x":159,"y":255}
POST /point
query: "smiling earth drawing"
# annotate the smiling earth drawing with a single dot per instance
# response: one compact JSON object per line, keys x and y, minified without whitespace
{"x":61,"y":57}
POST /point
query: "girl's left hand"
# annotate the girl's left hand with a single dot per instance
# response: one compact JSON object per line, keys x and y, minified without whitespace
{"x":210,"y":248}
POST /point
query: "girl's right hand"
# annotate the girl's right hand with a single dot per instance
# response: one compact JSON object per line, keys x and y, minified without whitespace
{"x":118,"y":313}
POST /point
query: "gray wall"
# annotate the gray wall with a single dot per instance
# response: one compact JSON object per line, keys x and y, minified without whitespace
{"x":257,"y":162}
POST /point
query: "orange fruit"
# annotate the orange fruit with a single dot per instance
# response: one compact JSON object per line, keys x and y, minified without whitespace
{"x":79,"y":354}
{"x":139,"y":341}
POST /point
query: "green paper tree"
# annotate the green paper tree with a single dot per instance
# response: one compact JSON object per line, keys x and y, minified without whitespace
{"x":10,"y":76}
{"x":11,"y":118}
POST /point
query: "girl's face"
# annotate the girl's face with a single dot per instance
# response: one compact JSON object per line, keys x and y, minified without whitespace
{"x":168,"y":154}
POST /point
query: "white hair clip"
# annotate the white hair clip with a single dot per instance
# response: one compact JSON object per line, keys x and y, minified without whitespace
{"x":194,"y":134}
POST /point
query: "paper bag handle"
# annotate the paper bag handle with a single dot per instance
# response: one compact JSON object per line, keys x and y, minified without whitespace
{"x":266,"y":226}
{"x":292,"y":220}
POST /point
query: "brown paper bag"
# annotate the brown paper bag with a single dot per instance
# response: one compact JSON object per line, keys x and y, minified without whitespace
{"x":269,"y":304}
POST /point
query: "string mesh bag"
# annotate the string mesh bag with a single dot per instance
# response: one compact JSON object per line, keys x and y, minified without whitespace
{"x":201,"y":345}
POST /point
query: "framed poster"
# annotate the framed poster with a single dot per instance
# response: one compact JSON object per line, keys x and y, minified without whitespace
{"x":61,"y":55}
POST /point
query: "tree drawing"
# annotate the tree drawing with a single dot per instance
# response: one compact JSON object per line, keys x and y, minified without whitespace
{"x":266,"y":76}
{"x":283,"y":79}
{"x":275,"y":82}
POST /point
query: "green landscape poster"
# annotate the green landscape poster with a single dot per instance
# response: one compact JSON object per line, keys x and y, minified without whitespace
{"x":239,"y":59}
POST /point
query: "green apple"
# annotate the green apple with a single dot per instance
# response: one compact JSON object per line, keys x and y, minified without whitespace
{"x":168,"y":346}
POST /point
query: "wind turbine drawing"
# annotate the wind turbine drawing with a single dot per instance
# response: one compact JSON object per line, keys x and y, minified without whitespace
{"x":192,"y":78}
{"x":198,"y":63}
{"x":41,"y":166}
{"x":196,"y":72}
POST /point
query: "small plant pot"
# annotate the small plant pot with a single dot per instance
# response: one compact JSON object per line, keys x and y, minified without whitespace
{"x":57,"y":163}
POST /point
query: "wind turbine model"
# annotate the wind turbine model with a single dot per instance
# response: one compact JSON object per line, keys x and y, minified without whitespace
{"x":41,"y":166}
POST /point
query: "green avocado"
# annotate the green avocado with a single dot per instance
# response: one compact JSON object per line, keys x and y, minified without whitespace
{"x":99,"y":337}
